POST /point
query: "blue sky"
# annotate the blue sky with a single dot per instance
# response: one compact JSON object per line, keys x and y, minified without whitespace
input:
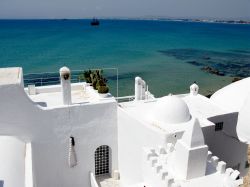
{"x":228,"y":9}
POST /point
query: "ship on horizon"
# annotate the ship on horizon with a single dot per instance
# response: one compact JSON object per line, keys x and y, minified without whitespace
{"x":95,"y":22}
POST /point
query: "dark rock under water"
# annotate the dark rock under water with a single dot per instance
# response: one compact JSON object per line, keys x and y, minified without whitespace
{"x":212,"y":70}
{"x":235,"y":63}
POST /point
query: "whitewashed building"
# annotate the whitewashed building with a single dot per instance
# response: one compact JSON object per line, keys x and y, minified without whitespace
{"x":68,"y":135}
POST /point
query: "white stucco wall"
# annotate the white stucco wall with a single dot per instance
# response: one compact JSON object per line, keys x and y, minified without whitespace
{"x":225,"y":143}
{"x":28,"y":166}
{"x":91,"y":125}
{"x":12,"y":153}
{"x":133,"y":136}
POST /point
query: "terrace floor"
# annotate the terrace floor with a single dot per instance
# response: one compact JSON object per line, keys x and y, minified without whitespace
{"x":51,"y":96}
{"x":107,"y":181}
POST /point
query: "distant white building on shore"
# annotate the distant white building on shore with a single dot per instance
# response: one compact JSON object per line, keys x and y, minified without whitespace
{"x":68,"y":135}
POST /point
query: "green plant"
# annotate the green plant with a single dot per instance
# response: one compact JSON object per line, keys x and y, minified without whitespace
{"x":94,"y":82}
{"x":93,"y":79}
{"x":85,"y":76}
{"x":102,"y":86}
{"x":103,"y":89}
{"x":101,"y":82}
{"x":96,"y":79}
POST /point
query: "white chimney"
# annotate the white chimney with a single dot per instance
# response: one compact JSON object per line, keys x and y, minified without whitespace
{"x":140,"y":88}
{"x":65,"y":85}
{"x":194,"y":89}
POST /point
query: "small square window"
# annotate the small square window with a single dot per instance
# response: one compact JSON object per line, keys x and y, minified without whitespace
{"x":218,"y":126}
{"x":247,"y":164}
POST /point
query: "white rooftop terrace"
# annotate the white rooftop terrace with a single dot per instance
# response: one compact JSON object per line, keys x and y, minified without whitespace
{"x":81,"y":93}
{"x":52,"y":96}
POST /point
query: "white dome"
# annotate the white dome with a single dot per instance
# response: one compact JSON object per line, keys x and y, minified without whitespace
{"x":233,"y":96}
{"x":171,"y":110}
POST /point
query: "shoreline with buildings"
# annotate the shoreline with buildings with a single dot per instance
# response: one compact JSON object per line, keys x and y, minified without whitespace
{"x":202,"y":20}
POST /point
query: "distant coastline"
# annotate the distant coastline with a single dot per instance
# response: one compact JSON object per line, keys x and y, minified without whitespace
{"x":213,"y":21}
{"x":201,"y":20}
{"x":227,"y":21}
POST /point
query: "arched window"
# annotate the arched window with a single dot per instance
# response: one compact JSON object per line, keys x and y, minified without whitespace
{"x":102,"y":154}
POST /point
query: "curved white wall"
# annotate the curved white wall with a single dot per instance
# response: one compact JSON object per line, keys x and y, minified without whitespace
{"x":12,"y":161}
{"x":233,"y":96}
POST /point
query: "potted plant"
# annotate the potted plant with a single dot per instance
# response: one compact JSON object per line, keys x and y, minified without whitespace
{"x":103,"y":89}
{"x":95,"y":77}
{"x":87,"y":76}
{"x":96,"y":80}
{"x":93,"y":80}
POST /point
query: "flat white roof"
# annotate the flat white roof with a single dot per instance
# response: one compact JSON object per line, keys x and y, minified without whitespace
{"x":202,"y":107}
{"x":199,"y":107}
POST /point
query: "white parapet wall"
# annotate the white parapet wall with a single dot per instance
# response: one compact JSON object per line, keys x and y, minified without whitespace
{"x":154,"y":171}
{"x":231,"y":177}
{"x":28,"y":166}
{"x":157,"y":171}
{"x":93,"y":180}
{"x":12,"y":162}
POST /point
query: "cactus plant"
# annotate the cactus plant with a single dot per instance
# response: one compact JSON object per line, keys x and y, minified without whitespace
{"x":96,"y":79}
{"x":85,"y":76}
{"x":103,"y":89}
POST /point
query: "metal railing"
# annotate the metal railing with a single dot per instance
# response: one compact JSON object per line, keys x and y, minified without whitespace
{"x":125,"y":98}
{"x":53,"y":78}
{"x":48,"y":78}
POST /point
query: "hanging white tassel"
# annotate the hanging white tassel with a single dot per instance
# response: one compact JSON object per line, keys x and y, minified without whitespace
{"x":72,"y":154}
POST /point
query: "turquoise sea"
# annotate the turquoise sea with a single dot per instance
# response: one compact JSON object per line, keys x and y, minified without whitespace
{"x":169,"y":55}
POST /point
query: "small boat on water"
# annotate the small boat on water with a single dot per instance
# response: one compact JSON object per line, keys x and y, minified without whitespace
{"x":95,"y":22}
